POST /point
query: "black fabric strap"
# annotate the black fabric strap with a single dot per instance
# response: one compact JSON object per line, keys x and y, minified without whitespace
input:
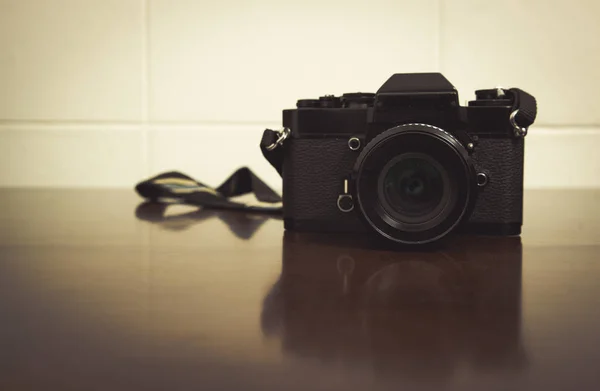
{"x":527,"y":106}
{"x":176,"y":187}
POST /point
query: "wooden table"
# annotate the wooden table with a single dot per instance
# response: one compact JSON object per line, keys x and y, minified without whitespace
{"x":98,"y":292}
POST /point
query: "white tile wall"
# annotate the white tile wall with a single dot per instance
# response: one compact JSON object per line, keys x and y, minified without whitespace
{"x":548,"y":47}
{"x":562,"y":157}
{"x":71,"y":60}
{"x":103,"y":93}
{"x":184,"y":148}
{"x":246,"y":60}
{"x":71,"y":156}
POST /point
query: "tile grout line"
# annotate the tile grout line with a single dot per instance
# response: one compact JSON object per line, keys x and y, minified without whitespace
{"x":147,"y":125}
{"x":145,"y":85}
{"x":438,"y":43}
{"x":145,"y":129}
{"x":7,"y":123}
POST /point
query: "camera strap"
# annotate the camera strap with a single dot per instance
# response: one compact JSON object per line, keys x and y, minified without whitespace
{"x":175,"y":187}
{"x":524,"y":111}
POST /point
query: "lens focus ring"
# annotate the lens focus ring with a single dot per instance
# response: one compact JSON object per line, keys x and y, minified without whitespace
{"x":414,"y":183}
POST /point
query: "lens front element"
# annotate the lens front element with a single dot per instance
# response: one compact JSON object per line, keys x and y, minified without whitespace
{"x":414,"y":188}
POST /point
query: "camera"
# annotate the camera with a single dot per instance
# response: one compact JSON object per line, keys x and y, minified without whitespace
{"x":408,"y":162}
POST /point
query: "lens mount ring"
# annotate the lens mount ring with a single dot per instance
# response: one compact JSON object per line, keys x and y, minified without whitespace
{"x":409,"y":139}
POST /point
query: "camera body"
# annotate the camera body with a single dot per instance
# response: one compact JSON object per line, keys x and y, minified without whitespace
{"x":408,"y":162}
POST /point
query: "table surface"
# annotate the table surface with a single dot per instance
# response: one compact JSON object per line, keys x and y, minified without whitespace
{"x":101,"y":292}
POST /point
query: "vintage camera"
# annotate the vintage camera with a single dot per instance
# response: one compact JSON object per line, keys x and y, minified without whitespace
{"x":408,"y":162}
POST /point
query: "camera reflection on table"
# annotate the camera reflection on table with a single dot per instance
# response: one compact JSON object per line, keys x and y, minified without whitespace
{"x":417,"y":313}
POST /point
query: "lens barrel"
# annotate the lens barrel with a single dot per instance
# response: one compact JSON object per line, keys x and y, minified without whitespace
{"x":414,"y":183}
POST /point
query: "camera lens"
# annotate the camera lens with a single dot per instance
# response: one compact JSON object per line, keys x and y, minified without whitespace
{"x":414,"y":183}
{"x":414,"y":188}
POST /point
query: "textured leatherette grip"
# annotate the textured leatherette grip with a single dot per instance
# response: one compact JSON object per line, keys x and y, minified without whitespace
{"x":501,"y":200}
{"x":313,"y":178}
